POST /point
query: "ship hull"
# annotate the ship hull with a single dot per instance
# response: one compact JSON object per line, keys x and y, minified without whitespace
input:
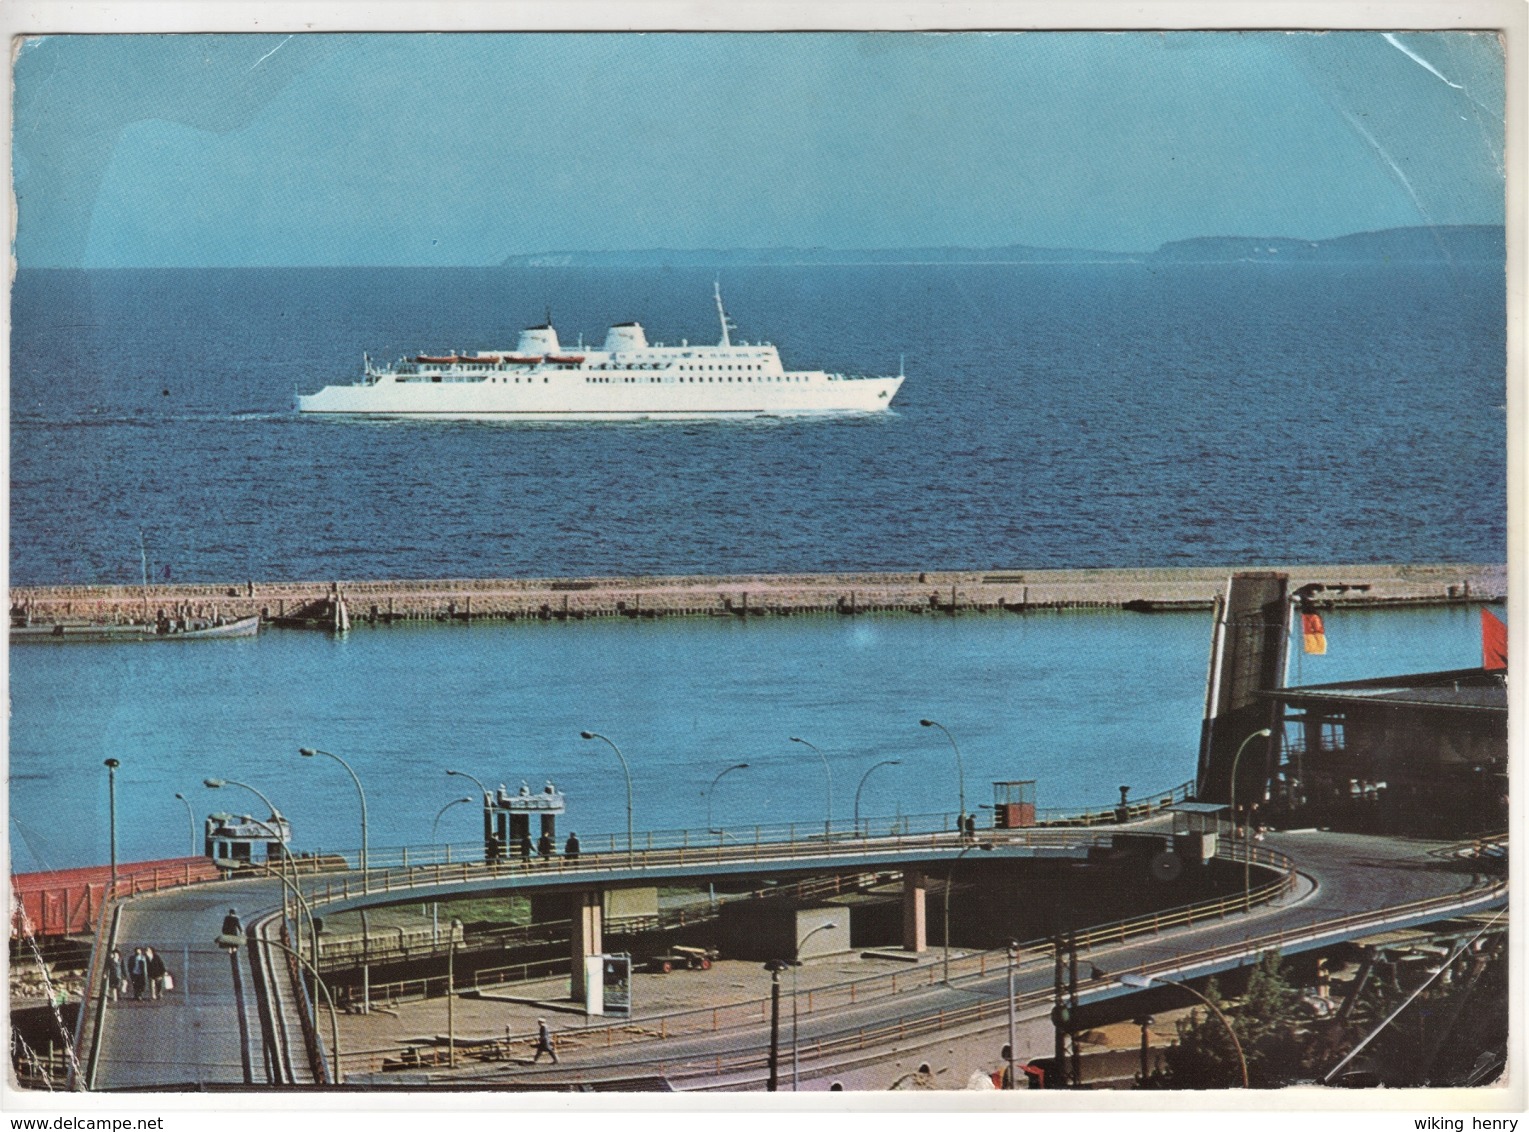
{"x":66,"y":633}
{"x":569,"y":397}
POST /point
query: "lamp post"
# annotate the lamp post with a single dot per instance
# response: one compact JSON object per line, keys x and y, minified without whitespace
{"x":1247,"y":847}
{"x":796,"y":962}
{"x":1144,"y":981}
{"x":828,"y":771}
{"x":488,"y":797}
{"x":451,"y":995}
{"x":111,"y":766}
{"x":713,"y":787}
{"x":1013,"y":958}
{"x":960,"y":771}
{"x":219,"y":783}
{"x":275,"y":831}
{"x":190,"y":823}
{"x":630,"y":844}
{"x":308,"y":753}
{"x":863,"y":777}
{"x":436,"y":824}
{"x":950,"y":878}
{"x":1145,"y":1021}
{"x":775,"y":967}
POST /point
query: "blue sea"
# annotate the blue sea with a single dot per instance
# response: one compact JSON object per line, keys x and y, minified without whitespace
{"x":1081,"y":415}
{"x":1080,"y":702}
{"x":1072,"y":415}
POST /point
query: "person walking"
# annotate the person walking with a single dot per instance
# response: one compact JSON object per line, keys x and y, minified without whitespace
{"x":543,"y":1042}
{"x":544,"y":847}
{"x":571,"y":849}
{"x":525,"y":848}
{"x":231,"y":924}
{"x":116,"y":974}
{"x":138,"y":973}
{"x":156,"y":973}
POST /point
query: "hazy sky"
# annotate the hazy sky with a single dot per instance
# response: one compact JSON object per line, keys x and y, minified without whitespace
{"x":462,"y":149}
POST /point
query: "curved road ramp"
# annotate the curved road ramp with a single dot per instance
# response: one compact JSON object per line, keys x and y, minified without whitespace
{"x":241,"y":1016}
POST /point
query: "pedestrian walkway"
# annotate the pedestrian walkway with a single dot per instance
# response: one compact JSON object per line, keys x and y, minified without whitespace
{"x":206,"y":1030}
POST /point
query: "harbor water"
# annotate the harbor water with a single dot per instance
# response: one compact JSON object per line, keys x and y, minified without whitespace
{"x":1081,"y":702}
{"x":1053,"y":416}
{"x":1078,"y":415}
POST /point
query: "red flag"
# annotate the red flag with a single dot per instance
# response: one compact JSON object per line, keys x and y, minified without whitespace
{"x":1313,"y":636}
{"x":1494,"y":641}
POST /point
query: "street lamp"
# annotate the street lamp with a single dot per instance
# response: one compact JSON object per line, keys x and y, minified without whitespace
{"x":796,"y":962}
{"x":827,"y":770}
{"x":436,"y":824}
{"x":1141,"y":982}
{"x":626,"y":771}
{"x":488,"y":797}
{"x":863,"y":777}
{"x":275,"y":831}
{"x":950,"y":878}
{"x":219,"y":783}
{"x":190,"y":822}
{"x":713,"y":786}
{"x":111,"y":766}
{"x":1013,"y":953}
{"x":308,"y":753}
{"x":960,"y":772}
{"x":775,"y":967}
{"x":451,"y":995}
{"x":1247,"y":847}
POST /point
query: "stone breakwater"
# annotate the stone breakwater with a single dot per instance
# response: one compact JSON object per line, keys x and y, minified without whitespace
{"x":929,"y":592}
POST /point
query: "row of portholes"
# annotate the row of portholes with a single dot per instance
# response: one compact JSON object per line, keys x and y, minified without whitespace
{"x":683,"y":380}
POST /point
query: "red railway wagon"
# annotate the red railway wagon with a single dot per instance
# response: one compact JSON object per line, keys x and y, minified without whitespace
{"x":67,"y":901}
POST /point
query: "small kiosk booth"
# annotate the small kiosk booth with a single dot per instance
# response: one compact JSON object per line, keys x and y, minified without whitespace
{"x":1195,"y":828}
{"x":239,"y":839}
{"x":1014,"y":804}
{"x":509,"y":820}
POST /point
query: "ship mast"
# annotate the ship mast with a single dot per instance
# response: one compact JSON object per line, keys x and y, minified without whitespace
{"x":722,"y":314}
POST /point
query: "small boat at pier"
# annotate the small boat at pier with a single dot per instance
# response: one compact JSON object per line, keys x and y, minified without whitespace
{"x":168,"y":629}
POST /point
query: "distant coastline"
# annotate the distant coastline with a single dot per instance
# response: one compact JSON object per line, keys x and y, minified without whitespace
{"x":1460,"y":243}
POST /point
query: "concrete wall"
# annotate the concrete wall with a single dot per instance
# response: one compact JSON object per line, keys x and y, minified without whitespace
{"x":762,"y":930}
{"x":746,"y":595}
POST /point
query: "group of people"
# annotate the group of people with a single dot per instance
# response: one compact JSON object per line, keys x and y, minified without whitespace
{"x":546,"y":847}
{"x":142,"y":973}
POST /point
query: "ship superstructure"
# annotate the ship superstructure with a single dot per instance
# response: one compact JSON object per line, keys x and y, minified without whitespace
{"x":627,"y":378}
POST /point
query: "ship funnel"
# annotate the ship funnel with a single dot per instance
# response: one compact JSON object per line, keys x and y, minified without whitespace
{"x":538,"y":340}
{"x":625,"y":336}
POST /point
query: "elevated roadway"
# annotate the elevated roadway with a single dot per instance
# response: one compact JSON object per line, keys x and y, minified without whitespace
{"x":1327,"y":887}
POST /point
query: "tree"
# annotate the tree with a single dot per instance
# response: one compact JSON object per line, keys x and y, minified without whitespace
{"x":1269,"y":1022}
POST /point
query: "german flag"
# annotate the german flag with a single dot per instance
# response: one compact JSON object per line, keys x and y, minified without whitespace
{"x":1313,"y":636}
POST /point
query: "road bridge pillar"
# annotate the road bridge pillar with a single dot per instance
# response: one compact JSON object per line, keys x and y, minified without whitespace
{"x":588,"y":914}
{"x":915,"y":928}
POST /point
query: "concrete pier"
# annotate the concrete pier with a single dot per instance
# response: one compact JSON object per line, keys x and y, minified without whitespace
{"x":934,"y":592}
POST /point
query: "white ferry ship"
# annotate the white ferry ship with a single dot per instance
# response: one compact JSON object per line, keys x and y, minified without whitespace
{"x":626,"y":379}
